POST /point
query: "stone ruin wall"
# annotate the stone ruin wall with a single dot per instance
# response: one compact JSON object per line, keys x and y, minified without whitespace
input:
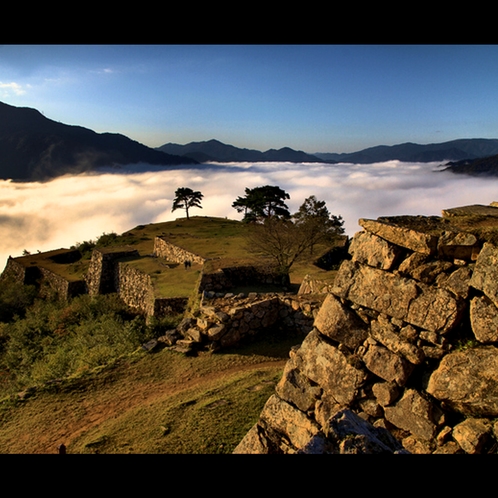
{"x":224,"y":322}
{"x":174,"y":253}
{"x":134,"y":288}
{"x":31,"y":275}
{"x":224,"y":279}
{"x":102,"y":271}
{"x":20,"y":273}
{"x":64,"y":289}
{"x":402,"y":356}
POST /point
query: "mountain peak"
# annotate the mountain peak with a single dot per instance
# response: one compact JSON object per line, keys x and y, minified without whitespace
{"x":33,"y":147}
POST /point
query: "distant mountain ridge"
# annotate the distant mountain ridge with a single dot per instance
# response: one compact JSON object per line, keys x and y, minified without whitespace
{"x":216,"y":151}
{"x":33,"y":147}
{"x":482,"y":166}
{"x":454,"y":150}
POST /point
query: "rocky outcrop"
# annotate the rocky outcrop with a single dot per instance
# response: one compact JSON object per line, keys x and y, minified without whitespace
{"x":405,"y":343}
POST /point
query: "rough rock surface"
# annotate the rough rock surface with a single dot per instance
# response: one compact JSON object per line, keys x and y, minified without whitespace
{"x":402,"y":356}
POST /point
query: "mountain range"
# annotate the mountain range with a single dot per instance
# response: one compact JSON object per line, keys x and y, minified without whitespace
{"x":454,"y":150}
{"x":473,"y":156}
{"x":33,"y":147}
{"x":216,"y":151}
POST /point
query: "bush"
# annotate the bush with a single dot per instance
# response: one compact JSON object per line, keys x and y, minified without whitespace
{"x":14,"y":299}
{"x":56,"y":339}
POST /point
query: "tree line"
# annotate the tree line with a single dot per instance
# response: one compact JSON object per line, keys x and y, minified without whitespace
{"x":272,"y":230}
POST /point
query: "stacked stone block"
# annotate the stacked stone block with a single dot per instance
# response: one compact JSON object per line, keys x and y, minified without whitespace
{"x":403,"y":350}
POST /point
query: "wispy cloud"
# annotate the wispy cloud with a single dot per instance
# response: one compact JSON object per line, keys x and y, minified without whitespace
{"x":12,"y":88}
{"x":71,"y":209}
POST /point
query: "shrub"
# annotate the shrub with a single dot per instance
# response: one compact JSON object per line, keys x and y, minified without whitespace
{"x":56,"y":339}
{"x":14,"y":299}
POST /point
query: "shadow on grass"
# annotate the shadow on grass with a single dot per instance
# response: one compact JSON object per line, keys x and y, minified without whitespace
{"x":271,"y":342}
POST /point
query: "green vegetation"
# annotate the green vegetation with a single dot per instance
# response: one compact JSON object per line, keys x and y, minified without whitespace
{"x":161,"y":402}
{"x":168,"y":279}
{"x":56,"y":339}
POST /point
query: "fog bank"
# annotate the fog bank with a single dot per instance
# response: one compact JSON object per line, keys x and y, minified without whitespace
{"x":70,"y":209}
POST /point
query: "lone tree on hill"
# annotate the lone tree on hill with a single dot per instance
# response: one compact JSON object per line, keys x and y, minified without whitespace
{"x":261,"y":203}
{"x":186,"y":198}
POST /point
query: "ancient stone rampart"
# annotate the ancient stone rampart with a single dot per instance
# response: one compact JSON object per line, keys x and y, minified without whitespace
{"x":224,"y":279}
{"x":224,"y":322}
{"x":403,"y":353}
{"x":16,"y":271}
{"x":48,"y":280}
{"x":65,"y":289}
{"x":136,"y":289}
{"x":312,"y":285}
{"x":102,"y":271}
{"x":175,"y":253}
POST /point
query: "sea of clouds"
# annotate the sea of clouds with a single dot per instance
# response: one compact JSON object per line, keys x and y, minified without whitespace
{"x":70,"y":209}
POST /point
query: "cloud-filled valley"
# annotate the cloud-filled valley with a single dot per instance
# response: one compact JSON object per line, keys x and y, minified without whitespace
{"x":70,"y":209}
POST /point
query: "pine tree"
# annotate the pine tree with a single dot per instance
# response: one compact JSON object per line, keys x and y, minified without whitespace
{"x":186,"y":198}
{"x":261,"y":203}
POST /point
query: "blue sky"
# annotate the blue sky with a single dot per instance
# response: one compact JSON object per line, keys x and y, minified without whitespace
{"x":316,"y":98}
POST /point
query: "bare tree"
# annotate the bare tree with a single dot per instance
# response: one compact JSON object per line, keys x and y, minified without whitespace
{"x":285,"y":241}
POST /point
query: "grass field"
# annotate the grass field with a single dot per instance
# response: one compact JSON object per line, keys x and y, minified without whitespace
{"x":161,"y":402}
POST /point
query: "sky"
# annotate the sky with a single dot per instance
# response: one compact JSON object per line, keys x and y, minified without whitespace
{"x":315,"y":98}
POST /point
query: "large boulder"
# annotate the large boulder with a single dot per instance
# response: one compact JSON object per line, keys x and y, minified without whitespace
{"x":428,"y":307}
{"x":374,"y":251}
{"x":484,"y":319}
{"x":414,"y":414}
{"x":485,"y":275}
{"x":402,"y":236}
{"x":467,"y":381}
{"x":340,"y":323}
{"x":330,"y":368}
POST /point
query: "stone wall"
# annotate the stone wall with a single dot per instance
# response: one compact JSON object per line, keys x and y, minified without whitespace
{"x":403,"y":353}
{"x":135,"y":288}
{"x":226,"y":278}
{"x":224,"y":322}
{"x":174,"y":253}
{"x":311,"y":285}
{"x":63,"y":288}
{"x":20,"y":273}
{"x":101,"y":275}
{"x":46,"y":279}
